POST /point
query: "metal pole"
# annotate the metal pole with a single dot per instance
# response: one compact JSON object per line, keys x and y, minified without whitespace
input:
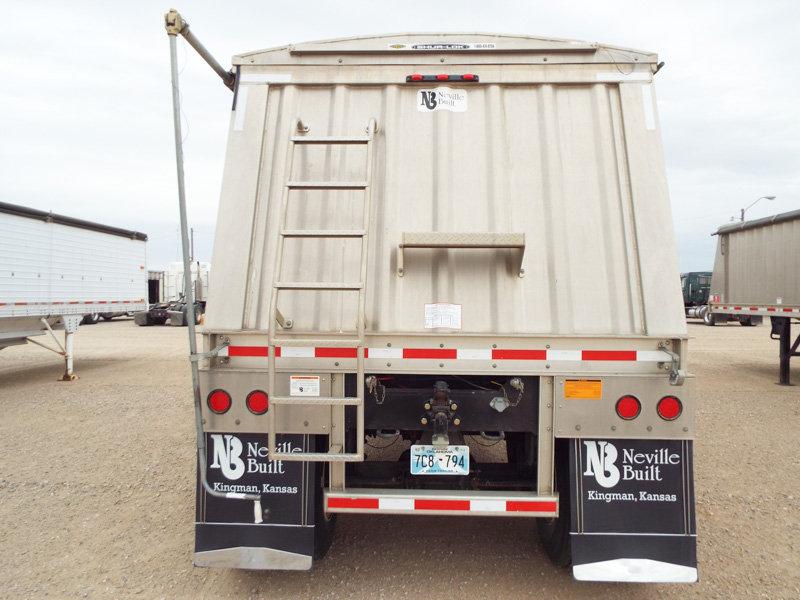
{"x":187,"y":280}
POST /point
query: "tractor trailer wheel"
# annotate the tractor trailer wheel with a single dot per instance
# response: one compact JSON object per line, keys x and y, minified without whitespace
{"x":709,"y":319}
{"x":91,"y":319}
{"x":324,"y":523}
{"x":554,"y":533}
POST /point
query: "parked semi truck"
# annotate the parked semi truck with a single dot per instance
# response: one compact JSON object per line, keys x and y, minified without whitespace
{"x":444,"y":241}
{"x":695,"y":286}
{"x":55,"y":270}
{"x":757,"y":275}
{"x":167,"y":297}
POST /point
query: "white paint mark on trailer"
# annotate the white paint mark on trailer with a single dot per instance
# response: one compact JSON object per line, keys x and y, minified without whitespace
{"x":296,"y":352}
{"x":567,"y":355}
{"x":265,"y":78}
{"x":474,"y":354}
{"x":241,"y":108}
{"x":487,"y":505}
{"x":385,"y":352}
{"x":648,"y":108}
{"x":395,"y":503}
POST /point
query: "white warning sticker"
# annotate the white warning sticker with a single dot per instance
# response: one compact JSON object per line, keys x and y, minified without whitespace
{"x":304,"y":385}
{"x":441,"y":98}
{"x":443,"y":315}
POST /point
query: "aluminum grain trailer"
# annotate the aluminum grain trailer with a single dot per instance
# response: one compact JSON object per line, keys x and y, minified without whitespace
{"x":443,"y":241}
{"x":55,"y":270}
{"x":757,"y":274}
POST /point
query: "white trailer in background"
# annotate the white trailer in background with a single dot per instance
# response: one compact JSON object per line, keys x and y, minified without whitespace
{"x":55,"y":270}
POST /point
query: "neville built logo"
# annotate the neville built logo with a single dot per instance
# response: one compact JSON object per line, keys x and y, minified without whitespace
{"x":601,"y":459}
{"x":441,"y":98}
{"x":227,"y":457}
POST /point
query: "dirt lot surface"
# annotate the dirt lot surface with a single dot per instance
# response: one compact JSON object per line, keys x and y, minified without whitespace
{"x":97,"y":490}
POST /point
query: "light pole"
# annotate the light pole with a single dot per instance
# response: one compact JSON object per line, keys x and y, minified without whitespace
{"x":754,"y":203}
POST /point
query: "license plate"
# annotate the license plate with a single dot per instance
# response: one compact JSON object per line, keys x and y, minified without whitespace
{"x":440,"y":460}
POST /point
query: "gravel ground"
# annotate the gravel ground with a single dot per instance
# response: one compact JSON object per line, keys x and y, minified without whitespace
{"x":97,"y":489}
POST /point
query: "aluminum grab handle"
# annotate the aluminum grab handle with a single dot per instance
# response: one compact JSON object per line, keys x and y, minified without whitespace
{"x":438,"y":240}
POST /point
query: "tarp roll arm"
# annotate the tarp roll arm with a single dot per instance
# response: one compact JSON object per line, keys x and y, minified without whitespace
{"x":176,"y":25}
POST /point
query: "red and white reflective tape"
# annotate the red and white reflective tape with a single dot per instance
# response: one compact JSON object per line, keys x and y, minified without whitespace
{"x":392,"y":502}
{"x":548,"y":355}
{"x":58,"y":302}
{"x":760,"y":309}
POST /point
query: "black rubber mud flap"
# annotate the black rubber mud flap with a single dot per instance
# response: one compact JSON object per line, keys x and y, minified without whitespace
{"x":233,"y":533}
{"x":633,"y":514}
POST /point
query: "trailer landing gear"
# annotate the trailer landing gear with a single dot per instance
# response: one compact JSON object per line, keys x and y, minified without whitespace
{"x":70,"y":324}
{"x":782,"y":331}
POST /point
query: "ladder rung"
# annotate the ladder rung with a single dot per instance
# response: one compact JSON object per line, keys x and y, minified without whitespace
{"x":298,"y":139}
{"x":331,"y":342}
{"x":314,"y":401}
{"x":299,"y":285}
{"x":323,"y":233}
{"x":327,"y":185}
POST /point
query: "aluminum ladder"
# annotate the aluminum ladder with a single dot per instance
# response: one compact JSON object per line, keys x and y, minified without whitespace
{"x":336,"y":451}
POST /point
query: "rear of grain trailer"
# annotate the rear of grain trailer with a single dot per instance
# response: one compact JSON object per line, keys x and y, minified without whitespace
{"x":438,"y":242}
{"x":757,"y":275}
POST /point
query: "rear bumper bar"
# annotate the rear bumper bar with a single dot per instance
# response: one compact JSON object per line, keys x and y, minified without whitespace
{"x":441,"y":502}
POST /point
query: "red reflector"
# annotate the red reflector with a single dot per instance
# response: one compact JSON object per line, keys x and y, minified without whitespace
{"x":628,"y":407}
{"x":530,"y":506}
{"x":416,"y":77}
{"x":431,"y":504}
{"x":257,"y":402}
{"x":468,"y":77}
{"x":338,"y":502}
{"x":669,"y":408}
{"x":219,"y":401}
{"x":443,"y":77}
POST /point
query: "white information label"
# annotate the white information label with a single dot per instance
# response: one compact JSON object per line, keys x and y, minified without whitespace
{"x":304,"y":385}
{"x":441,"y":98}
{"x":444,"y":47}
{"x":443,"y":315}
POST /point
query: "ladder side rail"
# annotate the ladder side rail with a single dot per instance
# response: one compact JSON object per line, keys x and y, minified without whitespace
{"x":272,"y":436}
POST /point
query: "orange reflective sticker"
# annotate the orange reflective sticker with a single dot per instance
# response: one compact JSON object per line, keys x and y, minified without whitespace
{"x":583,"y":389}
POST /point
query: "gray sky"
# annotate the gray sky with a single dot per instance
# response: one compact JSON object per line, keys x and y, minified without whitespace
{"x":86,"y":122}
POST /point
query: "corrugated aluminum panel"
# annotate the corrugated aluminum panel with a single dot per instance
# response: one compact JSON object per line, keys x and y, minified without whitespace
{"x":55,"y":269}
{"x":568,"y":155}
{"x":759,"y":265}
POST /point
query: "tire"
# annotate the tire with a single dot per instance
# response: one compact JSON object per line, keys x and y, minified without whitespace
{"x":91,"y":319}
{"x":107,"y":317}
{"x":709,"y":319}
{"x":554,"y":533}
{"x":745,"y":321}
{"x":702,"y":312}
{"x":324,"y":524}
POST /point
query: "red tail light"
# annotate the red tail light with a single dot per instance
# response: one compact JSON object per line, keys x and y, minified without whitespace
{"x":442,"y":77}
{"x":219,"y":401}
{"x":628,"y":407}
{"x":468,"y":77}
{"x":257,"y":402}
{"x":416,"y":77}
{"x":669,"y":408}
